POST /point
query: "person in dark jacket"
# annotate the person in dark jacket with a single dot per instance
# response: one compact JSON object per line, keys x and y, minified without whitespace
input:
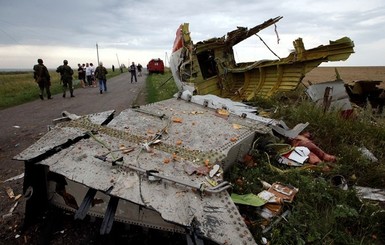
{"x":100,"y":74}
{"x":42,"y":78}
{"x":133,"y":72}
{"x":66,"y":73}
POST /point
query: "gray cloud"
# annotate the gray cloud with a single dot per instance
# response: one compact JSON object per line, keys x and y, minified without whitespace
{"x":139,"y":28}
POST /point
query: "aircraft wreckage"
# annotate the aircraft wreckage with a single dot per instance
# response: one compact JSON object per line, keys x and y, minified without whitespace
{"x":161,"y":165}
{"x":209,"y":67}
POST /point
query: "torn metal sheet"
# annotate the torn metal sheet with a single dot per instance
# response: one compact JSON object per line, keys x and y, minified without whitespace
{"x":14,"y":178}
{"x":209,"y":66}
{"x":125,"y":158}
{"x":339,"y":98}
{"x":368,"y":154}
{"x":374,"y":194}
{"x":242,"y":110}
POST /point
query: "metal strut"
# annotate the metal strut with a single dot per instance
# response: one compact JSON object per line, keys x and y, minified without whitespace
{"x":86,"y":204}
{"x":109,"y":216}
{"x":201,"y":186}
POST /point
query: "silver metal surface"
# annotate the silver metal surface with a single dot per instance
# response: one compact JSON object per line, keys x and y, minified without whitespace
{"x":144,"y":157}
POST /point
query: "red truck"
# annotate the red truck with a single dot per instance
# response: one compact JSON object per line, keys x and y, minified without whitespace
{"x":155,"y":66}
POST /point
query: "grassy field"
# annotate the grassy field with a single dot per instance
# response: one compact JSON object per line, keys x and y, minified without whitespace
{"x":160,"y":87}
{"x":321,"y":212}
{"x":19,"y":87}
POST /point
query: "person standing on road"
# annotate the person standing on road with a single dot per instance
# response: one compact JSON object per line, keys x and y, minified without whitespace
{"x":89,"y":74}
{"x":139,"y":70}
{"x":100,"y":74}
{"x":66,"y":73}
{"x":133,"y":72}
{"x":42,"y":78}
{"x":93,"y":75}
{"x":81,"y":75}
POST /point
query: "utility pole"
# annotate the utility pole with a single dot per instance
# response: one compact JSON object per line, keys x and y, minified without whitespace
{"x":121,"y":68}
{"x":166,"y":59}
{"x":97,"y":52}
{"x":117,"y":59}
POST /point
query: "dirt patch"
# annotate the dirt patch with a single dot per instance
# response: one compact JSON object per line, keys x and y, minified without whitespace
{"x":347,"y":74}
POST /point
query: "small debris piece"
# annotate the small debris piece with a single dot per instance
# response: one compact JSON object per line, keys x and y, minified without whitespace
{"x":214,"y":170}
{"x":237,"y":126}
{"x":368,"y":154}
{"x":370,"y":193}
{"x":287,"y":193}
{"x":14,"y":178}
{"x":166,"y":160}
{"x":177,"y":120}
{"x":10,"y":192}
{"x":127,"y":150}
{"x":248,"y":199}
{"x":223,"y":113}
{"x":340,"y":182}
{"x":211,"y":182}
{"x":233,"y":139}
{"x":10,"y":212}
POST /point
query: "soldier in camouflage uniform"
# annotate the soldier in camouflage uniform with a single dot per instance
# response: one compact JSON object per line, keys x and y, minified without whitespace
{"x":43,"y":79}
{"x":66,"y":73}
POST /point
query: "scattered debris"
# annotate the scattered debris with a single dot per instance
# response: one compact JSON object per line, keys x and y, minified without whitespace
{"x":368,"y":154}
{"x":10,"y":192}
{"x":285,"y":192}
{"x":374,"y":194}
{"x":209,"y":66}
{"x":270,"y":202}
{"x":339,"y":181}
{"x":330,"y":95}
{"x":14,"y":178}
{"x":10,"y":212}
{"x":214,"y":170}
{"x":248,"y":199}
{"x":362,"y":92}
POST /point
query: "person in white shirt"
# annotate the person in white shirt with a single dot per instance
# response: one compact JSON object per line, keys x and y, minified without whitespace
{"x":89,"y":74}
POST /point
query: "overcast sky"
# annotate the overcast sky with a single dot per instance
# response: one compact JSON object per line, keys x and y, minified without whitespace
{"x":136,"y":31}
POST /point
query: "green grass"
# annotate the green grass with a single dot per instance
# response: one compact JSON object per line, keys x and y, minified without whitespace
{"x":321,"y":213}
{"x":160,"y":87}
{"x":19,"y":87}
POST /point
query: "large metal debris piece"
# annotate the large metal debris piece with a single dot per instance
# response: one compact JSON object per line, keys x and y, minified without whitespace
{"x":339,"y":98}
{"x":209,"y":66}
{"x":147,"y":166}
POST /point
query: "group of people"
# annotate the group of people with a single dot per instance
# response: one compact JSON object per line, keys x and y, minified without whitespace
{"x":86,"y":75}
{"x":133,"y":68}
{"x":43,"y":78}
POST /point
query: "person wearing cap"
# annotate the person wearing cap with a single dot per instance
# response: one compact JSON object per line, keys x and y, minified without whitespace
{"x":42,"y":78}
{"x":66,"y":73}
